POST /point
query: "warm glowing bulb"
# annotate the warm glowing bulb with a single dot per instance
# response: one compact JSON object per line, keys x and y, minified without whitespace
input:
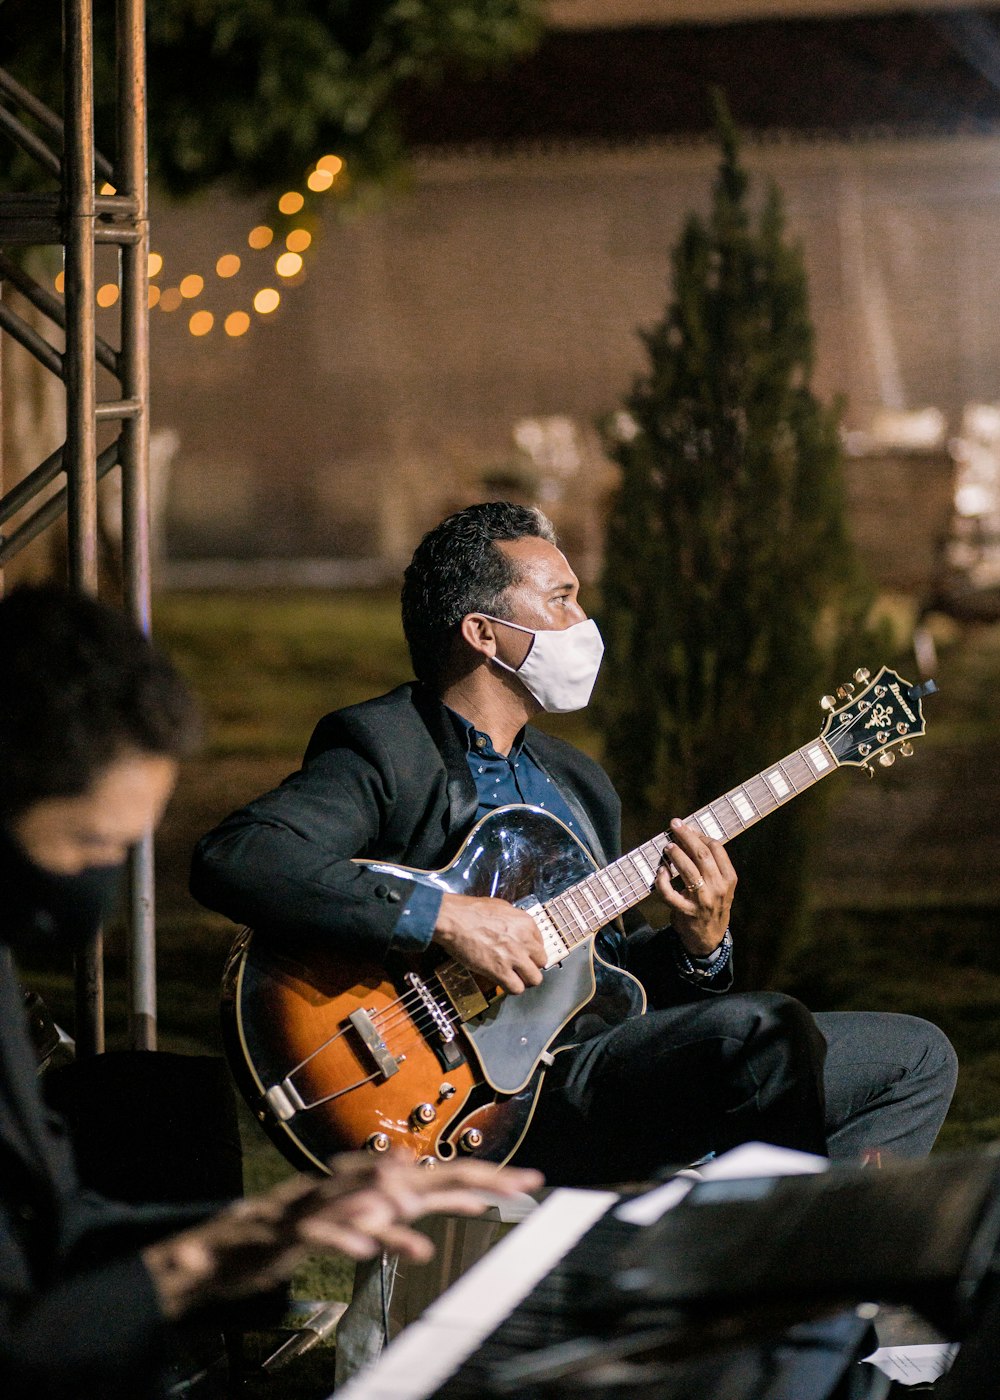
{"x":60,"y":282}
{"x":238,"y":322}
{"x":320,"y":180}
{"x":260,"y":236}
{"x":171,"y":299}
{"x":333,"y":164}
{"x":288,"y":265}
{"x":191,"y":285}
{"x":201,"y":323}
{"x":228,"y":265}
{"x":154,"y":296}
{"x":298,"y":240}
{"x":107,"y":295}
{"x":266,"y":300}
{"x":291,"y":202}
{"x":155,"y":264}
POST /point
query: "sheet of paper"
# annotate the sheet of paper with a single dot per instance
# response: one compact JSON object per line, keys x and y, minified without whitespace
{"x":914,"y":1365}
{"x":749,"y":1160}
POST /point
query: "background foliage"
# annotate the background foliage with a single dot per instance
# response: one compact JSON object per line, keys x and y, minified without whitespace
{"x":730,"y":584}
{"x":249,"y":92}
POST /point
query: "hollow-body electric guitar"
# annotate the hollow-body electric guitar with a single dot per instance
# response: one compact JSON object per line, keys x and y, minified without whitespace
{"x":333,"y":1054}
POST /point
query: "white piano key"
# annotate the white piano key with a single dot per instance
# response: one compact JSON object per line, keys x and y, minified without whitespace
{"x":423,"y":1356}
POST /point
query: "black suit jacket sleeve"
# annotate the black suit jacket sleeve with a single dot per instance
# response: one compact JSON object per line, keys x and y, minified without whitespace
{"x":373,"y":784}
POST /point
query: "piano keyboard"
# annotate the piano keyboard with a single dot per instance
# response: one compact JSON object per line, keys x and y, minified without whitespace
{"x":423,"y":1358}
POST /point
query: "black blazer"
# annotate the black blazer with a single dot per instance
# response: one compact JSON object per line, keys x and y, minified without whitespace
{"x":389,"y":779}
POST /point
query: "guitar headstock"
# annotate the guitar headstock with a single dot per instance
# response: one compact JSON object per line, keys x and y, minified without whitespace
{"x":873,"y":722}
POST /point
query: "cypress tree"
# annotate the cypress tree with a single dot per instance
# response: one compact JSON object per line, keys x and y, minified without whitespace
{"x":730,"y":588}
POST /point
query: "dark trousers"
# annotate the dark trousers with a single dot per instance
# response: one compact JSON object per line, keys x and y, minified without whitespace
{"x":671,"y":1086}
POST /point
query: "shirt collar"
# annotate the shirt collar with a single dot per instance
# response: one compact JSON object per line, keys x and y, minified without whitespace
{"x":476,"y":741}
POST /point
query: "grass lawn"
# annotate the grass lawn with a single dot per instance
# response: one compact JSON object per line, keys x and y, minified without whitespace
{"x":922,"y":940}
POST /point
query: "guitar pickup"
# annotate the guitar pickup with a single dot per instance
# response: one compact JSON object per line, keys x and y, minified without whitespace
{"x":462,"y":990}
{"x":373,"y":1043}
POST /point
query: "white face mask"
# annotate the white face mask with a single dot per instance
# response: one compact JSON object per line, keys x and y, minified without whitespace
{"x":561,"y":666}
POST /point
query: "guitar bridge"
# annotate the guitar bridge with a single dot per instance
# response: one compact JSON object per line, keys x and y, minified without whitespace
{"x":373,"y":1043}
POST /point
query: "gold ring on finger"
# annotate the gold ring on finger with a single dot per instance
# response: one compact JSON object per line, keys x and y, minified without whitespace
{"x":696,"y":886}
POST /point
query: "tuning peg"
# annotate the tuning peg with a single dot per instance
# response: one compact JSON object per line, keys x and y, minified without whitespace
{"x":828,"y":703}
{"x":906,"y":749}
{"x":862,"y":675}
{"x":845,"y":691}
{"x":867,"y":768}
{"x":887,"y":759}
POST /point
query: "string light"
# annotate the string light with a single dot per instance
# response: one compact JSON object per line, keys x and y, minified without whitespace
{"x":288,"y":264}
{"x":266,"y":301}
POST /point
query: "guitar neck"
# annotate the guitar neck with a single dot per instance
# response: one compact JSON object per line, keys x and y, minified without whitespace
{"x":583,"y":909}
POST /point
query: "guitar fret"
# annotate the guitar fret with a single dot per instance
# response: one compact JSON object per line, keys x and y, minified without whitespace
{"x":706,"y":820}
{"x":778,"y":783}
{"x":761,"y":796}
{"x":818,"y":756}
{"x":642,"y":865}
{"x":558,"y":917}
{"x":739,"y":800}
{"x":583,"y":888}
{"x":634,"y":888}
{"x":576,"y":912}
{"x":730,"y":817}
{"x":797,"y":771}
{"x":607,"y":880}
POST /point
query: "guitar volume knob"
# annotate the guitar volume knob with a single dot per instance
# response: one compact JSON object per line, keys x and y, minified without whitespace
{"x":378,"y":1142}
{"x":471,"y":1140}
{"x":423,"y":1113}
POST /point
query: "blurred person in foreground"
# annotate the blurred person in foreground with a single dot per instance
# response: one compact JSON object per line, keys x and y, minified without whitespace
{"x":93,"y":721}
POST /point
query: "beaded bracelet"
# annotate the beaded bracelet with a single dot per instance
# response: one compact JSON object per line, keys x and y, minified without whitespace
{"x":690,"y":968}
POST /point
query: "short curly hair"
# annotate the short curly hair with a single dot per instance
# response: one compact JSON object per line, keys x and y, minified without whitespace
{"x":456,"y":569}
{"x":79,"y":685}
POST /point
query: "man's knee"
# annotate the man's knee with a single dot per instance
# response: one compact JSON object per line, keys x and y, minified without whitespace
{"x":938,"y":1060}
{"x":774,"y":1020}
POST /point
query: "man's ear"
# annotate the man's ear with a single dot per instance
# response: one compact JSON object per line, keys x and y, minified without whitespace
{"x":477,"y":632}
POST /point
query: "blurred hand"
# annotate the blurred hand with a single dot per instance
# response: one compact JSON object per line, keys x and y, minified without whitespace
{"x":365,"y":1205}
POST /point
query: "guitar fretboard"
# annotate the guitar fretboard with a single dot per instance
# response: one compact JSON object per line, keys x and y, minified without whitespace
{"x":580,"y":911}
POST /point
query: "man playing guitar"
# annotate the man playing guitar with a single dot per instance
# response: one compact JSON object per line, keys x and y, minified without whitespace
{"x":497,"y":635}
